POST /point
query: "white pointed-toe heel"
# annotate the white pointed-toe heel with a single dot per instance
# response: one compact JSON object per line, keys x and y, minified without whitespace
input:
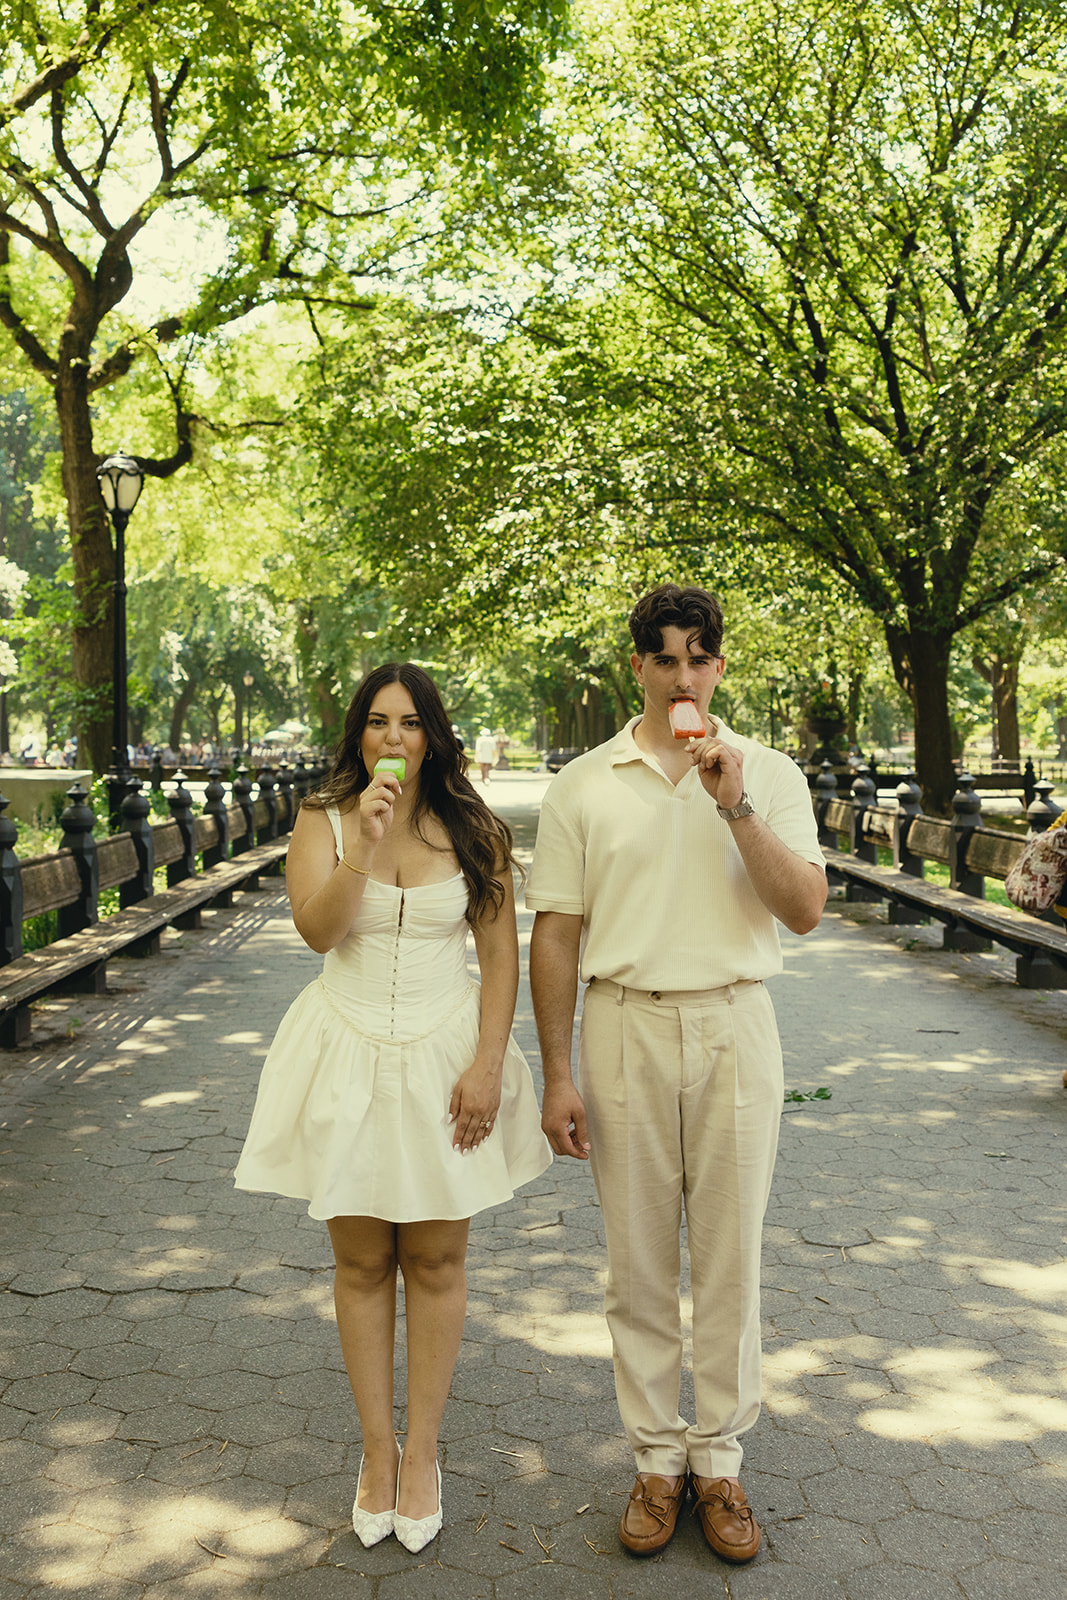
{"x":370,"y":1527}
{"x":415,"y":1533}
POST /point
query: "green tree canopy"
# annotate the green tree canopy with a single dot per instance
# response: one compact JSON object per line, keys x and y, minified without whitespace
{"x":846,"y":227}
{"x":288,"y":147}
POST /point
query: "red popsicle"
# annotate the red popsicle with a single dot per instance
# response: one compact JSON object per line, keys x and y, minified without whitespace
{"x":686,"y":721}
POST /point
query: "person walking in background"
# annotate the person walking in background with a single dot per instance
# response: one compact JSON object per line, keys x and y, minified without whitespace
{"x":485,"y":753}
{"x":393,"y":1098}
{"x":662,"y":866}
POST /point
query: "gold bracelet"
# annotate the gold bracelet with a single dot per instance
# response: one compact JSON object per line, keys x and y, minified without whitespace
{"x":364,"y":872}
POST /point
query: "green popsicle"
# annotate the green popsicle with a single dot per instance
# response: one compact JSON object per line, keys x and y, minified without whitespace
{"x":393,"y":764}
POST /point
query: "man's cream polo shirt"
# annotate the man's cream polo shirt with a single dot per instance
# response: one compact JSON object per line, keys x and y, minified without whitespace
{"x":654,"y":871}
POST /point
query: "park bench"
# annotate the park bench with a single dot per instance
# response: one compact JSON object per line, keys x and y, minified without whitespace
{"x":972,"y":853}
{"x":69,"y":881}
{"x":1018,"y":783}
{"x":78,"y":962}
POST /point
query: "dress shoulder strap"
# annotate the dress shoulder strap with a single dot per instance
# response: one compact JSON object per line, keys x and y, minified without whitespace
{"x":335,"y":823}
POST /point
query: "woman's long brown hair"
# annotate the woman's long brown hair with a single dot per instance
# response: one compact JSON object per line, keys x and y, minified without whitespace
{"x":481,"y":840}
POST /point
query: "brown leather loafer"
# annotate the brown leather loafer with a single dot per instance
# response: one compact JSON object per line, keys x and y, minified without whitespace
{"x":726,"y":1518}
{"x":648,"y":1522}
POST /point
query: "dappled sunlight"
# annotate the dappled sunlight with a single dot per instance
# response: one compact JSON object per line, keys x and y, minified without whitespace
{"x":893,"y":1061}
{"x":919,"y":1393}
{"x":141,"y":1532}
{"x":173,"y":1097}
{"x":564,"y":1333}
{"x":296,"y":1302}
{"x":949,"y":1391}
{"x":1045,"y":1284}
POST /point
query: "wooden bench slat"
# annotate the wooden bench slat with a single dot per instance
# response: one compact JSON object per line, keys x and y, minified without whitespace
{"x":117,"y":860}
{"x":1016,"y":930}
{"x":49,"y":882}
{"x":993,"y":854}
{"x":929,"y":837}
{"x":38,"y":971}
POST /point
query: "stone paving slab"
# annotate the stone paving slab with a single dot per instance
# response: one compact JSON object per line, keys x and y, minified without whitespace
{"x":174,"y":1415}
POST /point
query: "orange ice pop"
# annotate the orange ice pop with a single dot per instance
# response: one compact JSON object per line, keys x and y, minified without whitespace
{"x":686,"y":721}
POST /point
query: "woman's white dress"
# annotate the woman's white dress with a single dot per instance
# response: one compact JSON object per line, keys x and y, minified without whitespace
{"x":351,"y":1113}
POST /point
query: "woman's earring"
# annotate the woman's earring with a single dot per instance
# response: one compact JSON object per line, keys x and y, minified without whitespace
{"x":428,"y":756}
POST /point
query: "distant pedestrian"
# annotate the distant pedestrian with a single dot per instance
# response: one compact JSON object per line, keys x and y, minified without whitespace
{"x":485,"y":753}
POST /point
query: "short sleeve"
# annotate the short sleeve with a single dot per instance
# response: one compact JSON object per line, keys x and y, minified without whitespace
{"x":791,"y":816}
{"x":557,"y":876}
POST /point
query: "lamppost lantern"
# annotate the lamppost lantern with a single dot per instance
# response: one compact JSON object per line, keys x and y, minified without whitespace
{"x":121,"y":479}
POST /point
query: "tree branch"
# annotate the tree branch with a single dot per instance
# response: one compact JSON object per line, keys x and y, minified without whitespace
{"x":1003,"y":591}
{"x":121,"y":359}
{"x":23,"y":336}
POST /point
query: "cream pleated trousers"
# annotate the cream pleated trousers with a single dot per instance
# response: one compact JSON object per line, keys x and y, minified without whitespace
{"x":683,"y":1092}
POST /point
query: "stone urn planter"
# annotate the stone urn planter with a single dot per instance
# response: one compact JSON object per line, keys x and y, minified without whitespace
{"x":829,"y":733}
{"x":828,"y":730}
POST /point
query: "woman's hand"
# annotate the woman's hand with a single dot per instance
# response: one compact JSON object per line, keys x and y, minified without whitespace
{"x":376,"y":807}
{"x":473,"y":1107}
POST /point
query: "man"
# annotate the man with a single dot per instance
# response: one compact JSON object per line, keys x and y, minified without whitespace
{"x":661,"y":867}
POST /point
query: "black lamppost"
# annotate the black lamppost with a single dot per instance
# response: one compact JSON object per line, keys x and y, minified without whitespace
{"x":772,"y":684}
{"x":249,"y":680}
{"x":121,"y":479}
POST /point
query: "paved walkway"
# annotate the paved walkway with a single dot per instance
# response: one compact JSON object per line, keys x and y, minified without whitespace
{"x":176,"y":1414}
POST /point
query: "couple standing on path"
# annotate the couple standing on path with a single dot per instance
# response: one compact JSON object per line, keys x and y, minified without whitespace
{"x":663,"y":860}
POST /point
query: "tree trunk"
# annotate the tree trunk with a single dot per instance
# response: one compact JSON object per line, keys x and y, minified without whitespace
{"x":1002,"y":675}
{"x":91,"y":551}
{"x":1006,"y":708}
{"x":331,"y":714}
{"x":855,"y":698}
{"x":920,"y":665}
{"x":1059,"y":712}
{"x":181,"y":706}
{"x":621,"y":680}
{"x":94,"y":559}
{"x":214,"y":714}
{"x":237,"y":690}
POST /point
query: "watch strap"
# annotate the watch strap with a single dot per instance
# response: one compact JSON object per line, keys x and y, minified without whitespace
{"x":744,"y":808}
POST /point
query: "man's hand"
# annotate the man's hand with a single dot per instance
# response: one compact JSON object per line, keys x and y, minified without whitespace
{"x":563,"y":1120}
{"x":719,"y":766}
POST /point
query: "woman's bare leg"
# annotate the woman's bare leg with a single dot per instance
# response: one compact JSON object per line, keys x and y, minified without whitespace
{"x":364,"y":1295}
{"x":432,"y":1258}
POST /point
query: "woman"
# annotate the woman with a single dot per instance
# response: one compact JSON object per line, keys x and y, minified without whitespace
{"x":393,"y":1098}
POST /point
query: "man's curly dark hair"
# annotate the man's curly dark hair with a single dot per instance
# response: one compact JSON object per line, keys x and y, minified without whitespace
{"x":670,"y":606}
